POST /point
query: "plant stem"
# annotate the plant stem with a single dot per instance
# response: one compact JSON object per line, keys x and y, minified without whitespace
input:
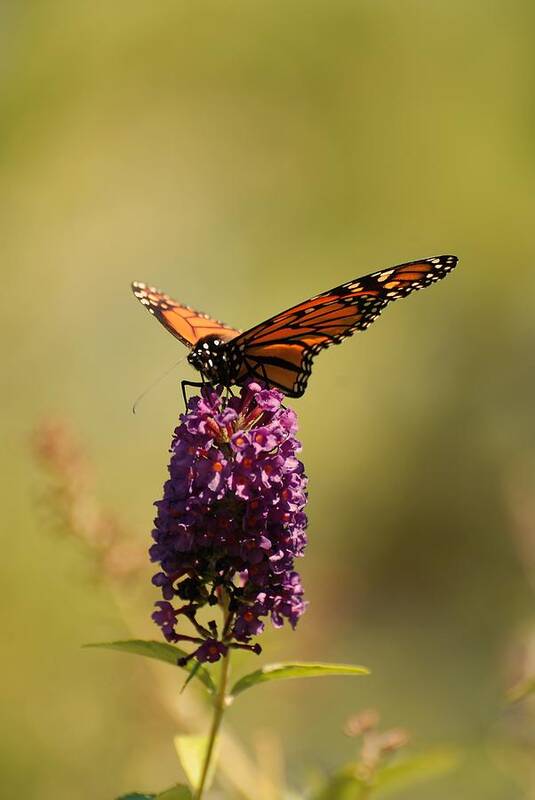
{"x":219,"y":708}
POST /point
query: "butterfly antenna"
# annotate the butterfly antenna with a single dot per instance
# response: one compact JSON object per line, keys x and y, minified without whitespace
{"x":156,"y":382}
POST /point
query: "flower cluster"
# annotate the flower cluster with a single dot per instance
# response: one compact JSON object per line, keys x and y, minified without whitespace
{"x":231,"y":520}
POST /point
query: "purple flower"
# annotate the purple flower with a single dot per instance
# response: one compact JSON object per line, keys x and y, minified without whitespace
{"x":248,"y":623}
{"x":165,"y":617}
{"x":211,"y":650}
{"x":231,"y":521}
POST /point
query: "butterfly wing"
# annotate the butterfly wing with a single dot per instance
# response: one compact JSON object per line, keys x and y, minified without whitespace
{"x":183,"y":322}
{"x":280,"y":350}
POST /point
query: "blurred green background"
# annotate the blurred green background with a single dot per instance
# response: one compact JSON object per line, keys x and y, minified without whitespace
{"x":244,"y":156}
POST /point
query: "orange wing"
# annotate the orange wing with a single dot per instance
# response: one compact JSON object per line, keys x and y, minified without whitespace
{"x":280,"y":350}
{"x":182,"y":321}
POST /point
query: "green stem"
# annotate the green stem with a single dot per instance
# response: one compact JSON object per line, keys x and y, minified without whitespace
{"x":219,"y":708}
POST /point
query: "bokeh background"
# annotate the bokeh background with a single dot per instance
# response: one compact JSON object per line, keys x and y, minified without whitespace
{"x":244,"y":156}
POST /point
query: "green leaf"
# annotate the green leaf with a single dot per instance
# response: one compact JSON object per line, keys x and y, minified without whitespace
{"x":193,"y":671}
{"x":137,"y":796}
{"x":421,"y":767}
{"x":344,"y":785}
{"x":191,"y":751}
{"x":278,"y":672}
{"x":520,"y":691}
{"x":176,"y":793}
{"x":162,"y":651}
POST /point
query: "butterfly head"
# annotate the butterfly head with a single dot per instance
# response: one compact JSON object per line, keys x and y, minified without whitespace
{"x":211,"y":357}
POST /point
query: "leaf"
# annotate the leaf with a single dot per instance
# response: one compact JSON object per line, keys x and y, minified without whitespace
{"x":347,"y":785}
{"x":193,"y":671}
{"x":191,"y":751}
{"x":162,"y":651}
{"x":521,"y":690}
{"x":421,"y":767}
{"x":137,"y":796}
{"x":175,"y":793}
{"x":344,"y":785}
{"x":278,"y":672}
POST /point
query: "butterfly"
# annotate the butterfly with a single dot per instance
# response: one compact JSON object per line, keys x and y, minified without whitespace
{"x":279,"y":352}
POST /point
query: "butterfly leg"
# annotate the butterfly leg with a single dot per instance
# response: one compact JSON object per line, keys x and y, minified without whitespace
{"x":264,"y":373}
{"x":195,"y":384}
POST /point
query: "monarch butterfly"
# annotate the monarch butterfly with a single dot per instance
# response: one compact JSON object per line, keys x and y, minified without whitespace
{"x":280,"y":351}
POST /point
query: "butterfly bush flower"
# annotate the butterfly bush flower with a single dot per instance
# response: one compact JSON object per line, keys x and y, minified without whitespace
{"x":231,"y":521}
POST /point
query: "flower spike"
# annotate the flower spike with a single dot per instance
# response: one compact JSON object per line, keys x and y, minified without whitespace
{"x":231,"y":521}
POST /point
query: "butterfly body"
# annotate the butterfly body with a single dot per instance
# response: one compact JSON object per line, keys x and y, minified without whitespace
{"x":215,"y":359}
{"x":279,"y":352}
